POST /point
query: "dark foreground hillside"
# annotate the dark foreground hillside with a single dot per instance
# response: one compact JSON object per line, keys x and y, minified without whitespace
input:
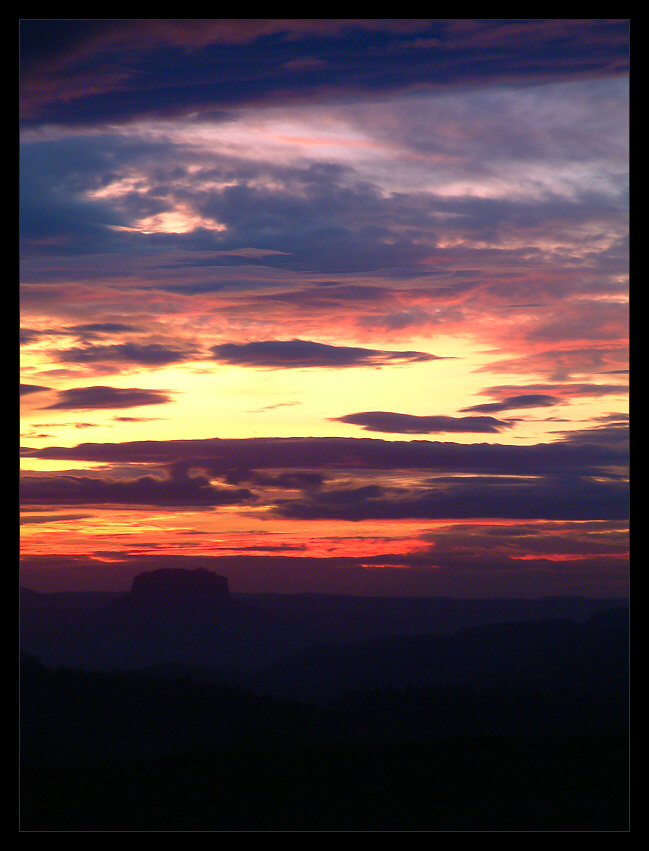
{"x":481,"y":784}
{"x":123,"y":751}
{"x":177,"y":707}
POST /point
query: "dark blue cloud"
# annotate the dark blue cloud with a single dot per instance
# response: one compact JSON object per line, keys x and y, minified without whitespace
{"x":559,"y":497}
{"x":84,"y":72}
{"x":321,"y":218}
{"x":582,"y":477}
{"x":147,"y":490}
{"x":292,"y":480}
{"x":317,"y":218}
{"x":57,"y":180}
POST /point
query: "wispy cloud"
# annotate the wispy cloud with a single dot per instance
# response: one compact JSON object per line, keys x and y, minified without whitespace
{"x":148,"y":354}
{"x":89,"y":398}
{"x":70,"y":73}
{"x":27,"y":389}
{"x":287,"y":354}
{"x":387,"y":421}
{"x":514,"y":403}
{"x":75,"y":490}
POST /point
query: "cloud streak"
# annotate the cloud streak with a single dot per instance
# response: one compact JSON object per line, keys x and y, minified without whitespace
{"x":27,"y":389}
{"x":515,"y":403}
{"x":387,"y":421}
{"x":149,"y":354}
{"x":586,"y":454}
{"x":100,"y":397}
{"x":303,"y":354}
{"x":147,"y":490}
{"x":239,"y":62}
{"x":549,"y":498}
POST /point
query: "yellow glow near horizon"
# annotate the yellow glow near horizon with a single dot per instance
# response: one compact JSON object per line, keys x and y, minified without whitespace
{"x":209,"y":399}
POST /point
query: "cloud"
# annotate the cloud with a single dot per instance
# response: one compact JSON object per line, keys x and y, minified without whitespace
{"x":98,"y":71}
{"x":513,"y":403}
{"x":136,"y":419}
{"x":566,"y":360}
{"x":99,"y":328}
{"x":300,"y":354}
{"x":150,"y":354}
{"x":147,"y":490}
{"x":613,"y":431}
{"x":394,"y":423}
{"x":26,"y":389}
{"x":559,"y":391}
{"x":291,"y":480}
{"x":380,"y":207}
{"x":55,"y":205}
{"x":558,"y":497}
{"x":585,"y":454}
{"x":88,"y":398}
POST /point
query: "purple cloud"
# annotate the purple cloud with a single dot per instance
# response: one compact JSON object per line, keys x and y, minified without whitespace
{"x":26,"y":389}
{"x":386,"y":421}
{"x":147,"y":490}
{"x":550,"y":498}
{"x":151,"y":354}
{"x":93,"y":71}
{"x":300,"y":354}
{"x":88,"y":398}
{"x":513,"y":403}
{"x":587,"y":452}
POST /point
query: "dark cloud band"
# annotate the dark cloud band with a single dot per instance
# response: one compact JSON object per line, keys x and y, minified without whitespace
{"x":584,"y":452}
{"x":301,"y":354}
{"x":89,"y":398}
{"x":237,"y":62}
{"x":386,"y":421}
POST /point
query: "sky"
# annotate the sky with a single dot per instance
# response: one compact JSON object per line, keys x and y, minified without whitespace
{"x":334,"y":306}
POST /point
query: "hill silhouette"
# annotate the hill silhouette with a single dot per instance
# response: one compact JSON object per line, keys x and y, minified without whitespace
{"x":348,"y":618}
{"x":179,"y":706}
{"x":537,"y":655}
{"x":170,"y":616}
{"x":175,"y":616}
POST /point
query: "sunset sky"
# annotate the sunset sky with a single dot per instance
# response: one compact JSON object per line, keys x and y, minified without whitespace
{"x":333,"y":306}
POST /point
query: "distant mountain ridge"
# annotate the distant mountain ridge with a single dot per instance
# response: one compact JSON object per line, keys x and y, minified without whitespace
{"x":349,"y":618}
{"x":170,"y":616}
{"x":539,"y":656}
{"x":177,"y":690}
{"x":188,"y":618}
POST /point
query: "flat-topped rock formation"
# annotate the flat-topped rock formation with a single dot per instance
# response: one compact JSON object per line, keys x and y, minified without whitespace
{"x":174,"y":586}
{"x":171,"y":615}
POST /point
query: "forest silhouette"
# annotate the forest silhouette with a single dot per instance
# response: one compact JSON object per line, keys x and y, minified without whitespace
{"x":178,"y":706}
